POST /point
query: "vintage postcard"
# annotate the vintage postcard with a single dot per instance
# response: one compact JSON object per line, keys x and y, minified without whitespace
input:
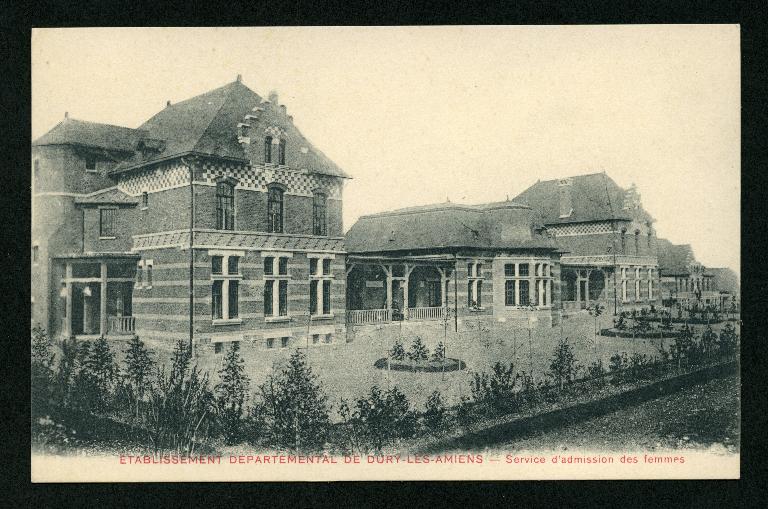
{"x":507,"y":252}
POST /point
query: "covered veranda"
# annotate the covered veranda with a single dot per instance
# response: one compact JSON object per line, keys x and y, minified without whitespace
{"x":385,"y":289}
{"x":96,"y":294}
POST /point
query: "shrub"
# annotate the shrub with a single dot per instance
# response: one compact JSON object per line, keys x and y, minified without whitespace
{"x":728,"y":341}
{"x":397,"y":352}
{"x":496,"y":389}
{"x":43,"y":373}
{"x":562,"y":367}
{"x":379,"y":419}
{"x":418,"y":351}
{"x":94,"y":380}
{"x":439,"y":353}
{"x":293,"y":407}
{"x":231,"y":392}
{"x":180,"y":406}
{"x":596,"y":370}
{"x":434,"y":414}
{"x":138,"y":367}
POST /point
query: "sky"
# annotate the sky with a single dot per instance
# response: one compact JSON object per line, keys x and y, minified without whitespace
{"x":419,"y":115}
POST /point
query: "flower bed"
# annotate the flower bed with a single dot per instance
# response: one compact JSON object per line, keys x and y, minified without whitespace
{"x":425,"y":366}
{"x":627,"y":333}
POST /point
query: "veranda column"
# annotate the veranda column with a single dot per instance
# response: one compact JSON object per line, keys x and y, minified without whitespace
{"x":103,"y":303}
{"x":586,"y":287}
{"x":388,"y":271}
{"x":68,"y":303}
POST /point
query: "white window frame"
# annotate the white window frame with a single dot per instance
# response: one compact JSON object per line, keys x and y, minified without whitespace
{"x":225,"y":277}
{"x":148,"y":274}
{"x":650,"y":284}
{"x":624,"y":283}
{"x":277,"y":277}
{"x":473,"y":280}
{"x":539,"y":281}
{"x":321,"y":278}
{"x":139,"y":283}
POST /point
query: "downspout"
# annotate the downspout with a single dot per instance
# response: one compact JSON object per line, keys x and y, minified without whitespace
{"x":191,"y":256}
{"x":82,"y":231}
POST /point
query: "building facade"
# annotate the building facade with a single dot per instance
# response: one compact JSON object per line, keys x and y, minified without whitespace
{"x":215,"y":220}
{"x":608,"y":241}
{"x":452,"y":262}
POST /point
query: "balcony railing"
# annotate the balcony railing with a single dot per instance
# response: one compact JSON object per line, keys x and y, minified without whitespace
{"x":367,"y":316}
{"x":361,"y":316}
{"x":426,"y":313}
{"x":122,"y":325}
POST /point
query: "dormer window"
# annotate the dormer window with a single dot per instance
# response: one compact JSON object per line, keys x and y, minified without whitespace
{"x":268,"y":149}
{"x":90,"y":164}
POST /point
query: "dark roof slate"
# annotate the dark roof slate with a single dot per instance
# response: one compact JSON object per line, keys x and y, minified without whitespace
{"x":91,"y":134}
{"x":506,"y":225}
{"x":674,"y":259}
{"x":594,"y":197}
{"x":207,"y":124}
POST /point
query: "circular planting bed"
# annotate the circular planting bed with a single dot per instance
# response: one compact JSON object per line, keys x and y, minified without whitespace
{"x":425,"y":366}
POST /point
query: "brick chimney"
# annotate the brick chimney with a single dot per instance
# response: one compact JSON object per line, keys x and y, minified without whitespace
{"x":273,"y":98}
{"x":564,"y":187}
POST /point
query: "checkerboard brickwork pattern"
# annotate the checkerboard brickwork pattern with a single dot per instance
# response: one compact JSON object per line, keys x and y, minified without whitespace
{"x":158,"y":178}
{"x":257,"y":178}
{"x":567,"y":230}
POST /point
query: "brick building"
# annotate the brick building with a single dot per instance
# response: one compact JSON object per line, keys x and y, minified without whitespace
{"x":607,"y":238}
{"x":685,"y":281}
{"x":215,"y":219}
{"x":488,"y":261}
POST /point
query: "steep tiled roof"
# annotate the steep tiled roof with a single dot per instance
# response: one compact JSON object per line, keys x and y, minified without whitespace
{"x":111,"y":196}
{"x":91,"y":134}
{"x":725,"y":279}
{"x":674,"y":259}
{"x":207,"y":124}
{"x":594,"y":197}
{"x":505,"y":225}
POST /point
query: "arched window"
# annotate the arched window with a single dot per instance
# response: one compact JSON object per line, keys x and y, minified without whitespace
{"x":281,"y":153}
{"x":275,"y":210}
{"x":268,"y":149}
{"x":319,"y":214}
{"x":225,"y":205}
{"x":623,"y":241}
{"x":637,"y":242}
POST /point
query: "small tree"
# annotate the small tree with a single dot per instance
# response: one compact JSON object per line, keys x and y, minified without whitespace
{"x":434,"y":415}
{"x":397,"y":352}
{"x":231,"y":393}
{"x":418,"y":351}
{"x":138,"y":367}
{"x":180,"y":405}
{"x":380,"y":418}
{"x":562,"y":367}
{"x":439,"y":354}
{"x":294,"y":407}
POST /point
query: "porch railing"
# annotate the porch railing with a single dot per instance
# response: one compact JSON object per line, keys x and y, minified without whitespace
{"x":361,"y":316}
{"x":426,"y":313}
{"x":122,"y":324}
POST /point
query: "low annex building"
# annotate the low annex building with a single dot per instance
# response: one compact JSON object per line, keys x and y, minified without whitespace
{"x":215,"y":219}
{"x":450,"y":262}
